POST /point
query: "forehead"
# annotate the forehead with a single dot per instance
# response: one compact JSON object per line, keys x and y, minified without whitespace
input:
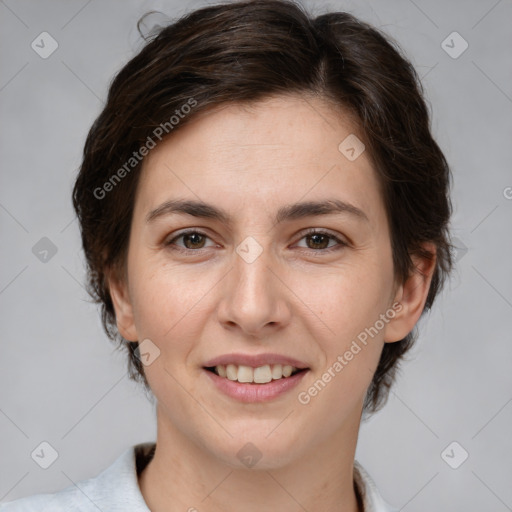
{"x":293,"y":125}
{"x":276,"y":150}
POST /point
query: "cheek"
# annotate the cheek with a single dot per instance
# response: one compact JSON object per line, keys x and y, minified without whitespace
{"x":169,"y":309}
{"x":168,"y":300}
{"x":346,"y":300}
{"x":349,"y":308}
{"x":349,"y":304}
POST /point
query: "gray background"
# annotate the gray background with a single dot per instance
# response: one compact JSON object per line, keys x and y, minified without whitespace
{"x":61,"y":380}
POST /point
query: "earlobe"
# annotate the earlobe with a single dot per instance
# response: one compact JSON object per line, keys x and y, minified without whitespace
{"x":412,"y":296}
{"x":122,"y":306}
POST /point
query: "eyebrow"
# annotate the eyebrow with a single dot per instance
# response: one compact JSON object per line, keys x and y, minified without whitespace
{"x":285,"y":213}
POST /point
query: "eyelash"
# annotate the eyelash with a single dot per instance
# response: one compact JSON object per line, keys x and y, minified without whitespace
{"x":309,"y":232}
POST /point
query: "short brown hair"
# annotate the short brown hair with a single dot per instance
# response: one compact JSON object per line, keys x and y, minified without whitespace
{"x":243,"y":52}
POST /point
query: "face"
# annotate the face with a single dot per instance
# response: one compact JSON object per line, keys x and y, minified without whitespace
{"x":254,"y":275}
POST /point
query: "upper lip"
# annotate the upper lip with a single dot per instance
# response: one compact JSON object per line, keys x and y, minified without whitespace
{"x":255,"y":360}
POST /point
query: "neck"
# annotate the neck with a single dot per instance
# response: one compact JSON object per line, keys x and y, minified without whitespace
{"x":185,"y":476}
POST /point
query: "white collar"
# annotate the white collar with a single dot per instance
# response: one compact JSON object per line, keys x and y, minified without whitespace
{"x":117,"y":489}
{"x":372,"y":500}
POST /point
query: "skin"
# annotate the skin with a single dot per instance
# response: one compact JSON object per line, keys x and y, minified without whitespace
{"x":297,"y":298}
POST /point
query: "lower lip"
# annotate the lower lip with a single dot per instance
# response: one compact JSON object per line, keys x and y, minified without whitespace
{"x":248,"y":392}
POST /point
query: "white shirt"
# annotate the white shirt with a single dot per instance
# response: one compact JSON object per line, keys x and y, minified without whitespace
{"x":116,"y":489}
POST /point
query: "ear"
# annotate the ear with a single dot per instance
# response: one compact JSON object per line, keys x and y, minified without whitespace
{"x":119,"y":292}
{"x":411,"y":296}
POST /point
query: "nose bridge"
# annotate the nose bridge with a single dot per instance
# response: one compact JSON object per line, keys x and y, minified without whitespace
{"x":252,"y":274}
{"x":253,"y":298}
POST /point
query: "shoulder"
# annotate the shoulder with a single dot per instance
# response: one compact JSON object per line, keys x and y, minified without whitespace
{"x":115,"y":489}
{"x":56,"y":502}
{"x":372,"y":500}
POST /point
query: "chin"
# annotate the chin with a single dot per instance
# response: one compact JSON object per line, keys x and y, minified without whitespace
{"x":258,"y":452}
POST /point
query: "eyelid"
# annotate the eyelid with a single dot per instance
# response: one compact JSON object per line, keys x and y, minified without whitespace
{"x":303,"y":234}
{"x":341,"y":242}
{"x":179,"y":234}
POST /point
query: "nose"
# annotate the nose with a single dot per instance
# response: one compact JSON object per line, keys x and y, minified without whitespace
{"x":254,"y":297}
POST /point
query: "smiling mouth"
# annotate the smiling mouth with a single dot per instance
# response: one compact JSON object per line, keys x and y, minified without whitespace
{"x":260,"y":375}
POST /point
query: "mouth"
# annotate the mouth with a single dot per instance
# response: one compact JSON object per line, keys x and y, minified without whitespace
{"x":247,"y":384}
{"x":255,"y":375}
{"x":252,"y":378}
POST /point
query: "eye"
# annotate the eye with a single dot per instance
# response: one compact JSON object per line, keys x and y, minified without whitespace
{"x":192,"y":240}
{"x":316,"y":240}
{"x":319,"y":241}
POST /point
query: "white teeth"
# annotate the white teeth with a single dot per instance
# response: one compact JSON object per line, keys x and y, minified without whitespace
{"x":245,"y":374}
{"x":287,"y":370}
{"x":259,"y":375}
{"x":231,"y":372}
{"x":277,"y":371}
{"x":262,"y":374}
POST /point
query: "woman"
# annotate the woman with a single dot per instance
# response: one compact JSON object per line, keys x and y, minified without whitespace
{"x":264,"y":215}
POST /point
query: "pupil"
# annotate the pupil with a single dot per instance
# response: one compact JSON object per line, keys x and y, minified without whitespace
{"x":194,"y":237}
{"x":315,"y":238}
